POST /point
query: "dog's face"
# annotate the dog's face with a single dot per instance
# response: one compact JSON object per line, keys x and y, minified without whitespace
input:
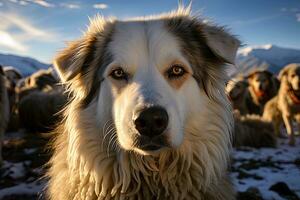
{"x":150,"y":78}
{"x":260,"y":81}
{"x":292,"y":74}
{"x":236,"y":88}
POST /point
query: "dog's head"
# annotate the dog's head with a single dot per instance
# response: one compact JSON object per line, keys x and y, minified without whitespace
{"x":12,"y":75}
{"x":260,"y":81}
{"x":291,"y":73}
{"x":236,"y":88}
{"x":41,"y":79}
{"x":149,"y":76}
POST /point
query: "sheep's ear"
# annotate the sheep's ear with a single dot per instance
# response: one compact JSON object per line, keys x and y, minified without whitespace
{"x":221,"y":43}
{"x":68,"y":62}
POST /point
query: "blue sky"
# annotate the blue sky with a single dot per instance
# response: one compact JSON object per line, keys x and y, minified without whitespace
{"x":39,"y":28}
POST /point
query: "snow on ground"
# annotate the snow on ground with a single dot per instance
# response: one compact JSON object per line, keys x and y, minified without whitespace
{"x":263,"y":168}
{"x":21,"y":175}
{"x":34,"y":189}
{"x":253,"y":170}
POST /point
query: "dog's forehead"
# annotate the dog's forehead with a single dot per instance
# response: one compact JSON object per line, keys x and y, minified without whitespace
{"x":295,"y":69}
{"x":139,"y":42}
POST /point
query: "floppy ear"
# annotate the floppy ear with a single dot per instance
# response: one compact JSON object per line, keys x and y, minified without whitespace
{"x":283,"y":72}
{"x":69,"y":61}
{"x":250,"y":75}
{"x":77,"y":64}
{"x":221,"y":43}
{"x":269,"y":74}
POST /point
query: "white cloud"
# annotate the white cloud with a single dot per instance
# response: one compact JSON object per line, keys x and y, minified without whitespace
{"x":7,"y":41}
{"x":298,"y":17}
{"x":100,"y":6}
{"x":284,"y":9}
{"x":255,"y":20}
{"x":70,"y":5}
{"x":25,"y":26}
{"x":17,"y":32}
{"x":42,"y":3}
{"x":23,"y":3}
{"x":294,"y":9}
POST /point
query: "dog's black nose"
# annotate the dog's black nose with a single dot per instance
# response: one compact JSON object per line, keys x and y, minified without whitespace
{"x":152,"y":121}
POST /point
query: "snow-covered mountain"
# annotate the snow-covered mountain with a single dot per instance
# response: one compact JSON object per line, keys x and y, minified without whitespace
{"x":25,"y":65}
{"x":269,"y":57}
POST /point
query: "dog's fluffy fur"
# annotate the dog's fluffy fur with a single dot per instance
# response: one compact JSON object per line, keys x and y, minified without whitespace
{"x":237,"y":91}
{"x":4,"y":108}
{"x":253,"y":131}
{"x":263,"y":86}
{"x":286,"y":105}
{"x":95,"y":154}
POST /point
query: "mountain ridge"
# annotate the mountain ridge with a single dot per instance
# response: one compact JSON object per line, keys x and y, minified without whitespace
{"x":269,"y":56}
{"x":26,"y":65}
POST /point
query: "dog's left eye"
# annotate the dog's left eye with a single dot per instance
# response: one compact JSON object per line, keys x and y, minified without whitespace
{"x":119,"y":74}
{"x":176,"y":71}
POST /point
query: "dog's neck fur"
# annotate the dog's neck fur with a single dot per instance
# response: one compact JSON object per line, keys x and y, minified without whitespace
{"x":259,"y":99}
{"x":114,"y":174}
{"x":293,"y":96}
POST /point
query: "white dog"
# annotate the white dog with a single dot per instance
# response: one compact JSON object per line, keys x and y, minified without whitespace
{"x":149,"y":117}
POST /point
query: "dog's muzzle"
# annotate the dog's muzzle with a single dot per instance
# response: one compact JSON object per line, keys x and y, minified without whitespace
{"x":151,"y":123}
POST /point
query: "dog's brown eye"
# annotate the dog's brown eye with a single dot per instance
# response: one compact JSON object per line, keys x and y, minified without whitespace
{"x":118,"y":74}
{"x":176,"y":71}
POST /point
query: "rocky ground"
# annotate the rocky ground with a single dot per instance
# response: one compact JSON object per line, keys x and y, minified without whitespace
{"x":266,"y":173}
{"x":259,"y":174}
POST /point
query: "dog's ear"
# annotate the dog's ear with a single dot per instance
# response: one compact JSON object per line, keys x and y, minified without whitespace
{"x":250,"y":75}
{"x":268,"y":73}
{"x":283,"y":72}
{"x":221,"y":43}
{"x":68,"y":62}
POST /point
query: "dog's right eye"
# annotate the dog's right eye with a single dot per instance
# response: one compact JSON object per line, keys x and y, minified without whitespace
{"x":119,"y":74}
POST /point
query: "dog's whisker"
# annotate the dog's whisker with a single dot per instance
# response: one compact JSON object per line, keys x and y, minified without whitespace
{"x":106,"y":133}
{"x":112,"y":137}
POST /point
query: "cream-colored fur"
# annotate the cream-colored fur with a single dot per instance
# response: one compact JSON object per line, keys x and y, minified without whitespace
{"x":282,"y":108}
{"x":90,"y":159}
